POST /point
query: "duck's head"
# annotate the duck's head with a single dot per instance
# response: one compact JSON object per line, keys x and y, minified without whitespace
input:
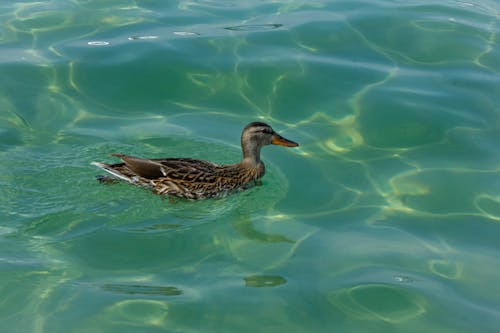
{"x":257,"y":135}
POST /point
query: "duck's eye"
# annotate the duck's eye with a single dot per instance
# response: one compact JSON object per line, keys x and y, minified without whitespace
{"x":266,"y":131}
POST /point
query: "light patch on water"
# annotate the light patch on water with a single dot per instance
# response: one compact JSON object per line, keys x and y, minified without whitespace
{"x":446,"y":268}
{"x":489,"y":205}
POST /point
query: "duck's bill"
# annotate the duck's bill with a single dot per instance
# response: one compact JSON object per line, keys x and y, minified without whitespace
{"x":281,"y":141}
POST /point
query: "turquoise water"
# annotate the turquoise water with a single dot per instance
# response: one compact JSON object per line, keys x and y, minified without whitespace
{"x":385,"y":219}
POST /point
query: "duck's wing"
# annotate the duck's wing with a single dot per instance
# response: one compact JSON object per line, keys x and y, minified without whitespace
{"x":187,"y":165}
{"x":188,"y":170}
{"x":142,"y":167}
{"x":171,"y":168}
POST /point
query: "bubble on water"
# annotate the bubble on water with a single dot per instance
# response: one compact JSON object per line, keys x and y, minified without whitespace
{"x":142,"y":37}
{"x":404,"y":279}
{"x":264,"y":280}
{"x":98,"y":43}
{"x":185,"y":33}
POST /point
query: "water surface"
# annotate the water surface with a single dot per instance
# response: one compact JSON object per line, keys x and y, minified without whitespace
{"x":386,"y":218}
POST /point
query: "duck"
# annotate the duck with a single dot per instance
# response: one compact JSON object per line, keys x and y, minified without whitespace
{"x":194,"y":179}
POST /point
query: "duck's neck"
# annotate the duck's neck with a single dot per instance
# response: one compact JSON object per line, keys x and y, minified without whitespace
{"x":251,"y":155}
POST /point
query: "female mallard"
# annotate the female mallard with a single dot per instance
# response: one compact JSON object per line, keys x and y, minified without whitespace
{"x":195,"y":179}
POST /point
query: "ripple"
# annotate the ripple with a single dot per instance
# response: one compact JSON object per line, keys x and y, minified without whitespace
{"x":488,"y":205}
{"x":159,"y":227}
{"x":139,"y":312}
{"x":431,"y":25}
{"x":254,"y":27}
{"x":6,"y":230}
{"x":392,"y":304}
{"x":447,"y":269}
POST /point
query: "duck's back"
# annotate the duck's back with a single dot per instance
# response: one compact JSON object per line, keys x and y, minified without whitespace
{"x":196,"y":179}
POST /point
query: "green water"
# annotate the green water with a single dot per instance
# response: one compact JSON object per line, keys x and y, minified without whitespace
{"x":385,"y":219}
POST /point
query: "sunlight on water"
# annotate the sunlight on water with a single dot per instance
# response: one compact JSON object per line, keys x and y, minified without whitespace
{"x":386,"y":217}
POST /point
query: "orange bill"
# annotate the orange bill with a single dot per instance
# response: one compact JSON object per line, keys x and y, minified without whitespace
{"x":281,"y":141}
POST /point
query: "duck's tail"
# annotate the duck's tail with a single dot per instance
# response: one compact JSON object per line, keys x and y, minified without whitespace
{"x":109,"y":169}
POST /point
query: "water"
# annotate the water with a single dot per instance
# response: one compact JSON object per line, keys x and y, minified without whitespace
{"x":385,"y":219}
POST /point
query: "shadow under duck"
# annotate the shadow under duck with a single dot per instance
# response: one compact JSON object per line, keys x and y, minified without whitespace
{"x":196,"y":179}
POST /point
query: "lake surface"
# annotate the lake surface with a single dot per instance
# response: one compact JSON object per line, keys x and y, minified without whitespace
{"x":385,"y":219}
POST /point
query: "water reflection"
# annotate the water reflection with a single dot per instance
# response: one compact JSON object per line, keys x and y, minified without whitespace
{"x":246,"y":228}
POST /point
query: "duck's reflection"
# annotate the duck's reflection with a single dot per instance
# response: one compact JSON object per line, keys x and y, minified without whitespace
{"x":246,"y":228}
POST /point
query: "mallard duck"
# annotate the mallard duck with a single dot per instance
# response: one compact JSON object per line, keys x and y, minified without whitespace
{"x":196,"y":179}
